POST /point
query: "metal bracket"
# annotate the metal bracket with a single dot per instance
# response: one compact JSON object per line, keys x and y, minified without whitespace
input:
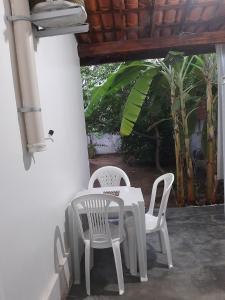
{"x":60,"y":31}
{"x":28,"y":109}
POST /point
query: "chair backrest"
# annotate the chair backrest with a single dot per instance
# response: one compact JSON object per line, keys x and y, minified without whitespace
{"x":96,"y":208}
{"x":108,"y":176}
{"x":168,"y":181}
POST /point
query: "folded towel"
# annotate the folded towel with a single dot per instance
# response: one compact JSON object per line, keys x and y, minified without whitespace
{"x":53,"y":4}
{"x":78,"y":18}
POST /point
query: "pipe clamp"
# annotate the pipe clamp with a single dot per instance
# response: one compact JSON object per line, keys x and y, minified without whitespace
{"x":28,"y":109}
{"x":18,"y":18}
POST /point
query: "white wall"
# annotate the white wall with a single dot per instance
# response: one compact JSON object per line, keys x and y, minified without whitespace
{"x":106,"y":143}
{"x":34,"y":197}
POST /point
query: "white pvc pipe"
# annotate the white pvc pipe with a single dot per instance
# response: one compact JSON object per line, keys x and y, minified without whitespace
{"x":28,"y":76}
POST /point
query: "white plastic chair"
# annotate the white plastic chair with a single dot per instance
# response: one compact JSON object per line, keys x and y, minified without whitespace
{"x":153,"y":223}
{"x":108,"y":176}
{"x":101,"y":233}
{"x":111,"y":176}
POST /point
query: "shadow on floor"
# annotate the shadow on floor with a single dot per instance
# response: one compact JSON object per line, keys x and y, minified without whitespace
{"x":198,"y":247}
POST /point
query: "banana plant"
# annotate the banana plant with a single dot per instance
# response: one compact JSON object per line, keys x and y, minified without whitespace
{"x":206,"y":64}
{"x":140,"y":90}
{"x":126,"y":74}
{"x":136,"y":98}
{"x":181,"y":78}
{"x":170,"y":75}
{"x":140,"y":76}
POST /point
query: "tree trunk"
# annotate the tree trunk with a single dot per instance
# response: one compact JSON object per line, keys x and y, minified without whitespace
{"x":178,"y":154}
{"x":179,"y":164}
{"x":210,"y":145}
{"x":189,"y":166}
{"x":157,"y":151}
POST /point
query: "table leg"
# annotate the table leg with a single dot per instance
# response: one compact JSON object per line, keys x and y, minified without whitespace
{"x":141,"y":211}
{"x":74,"y":242}
{"x":139,"y":215}
{"x":76,"y":260}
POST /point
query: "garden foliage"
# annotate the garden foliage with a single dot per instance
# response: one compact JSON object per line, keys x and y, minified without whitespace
{"x":155,"y":105}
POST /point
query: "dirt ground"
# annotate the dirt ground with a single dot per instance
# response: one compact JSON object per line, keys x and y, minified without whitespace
{"x":140,"y":176}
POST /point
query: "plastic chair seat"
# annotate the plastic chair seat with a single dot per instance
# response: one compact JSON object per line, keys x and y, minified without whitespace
{"x":151,"y":223}
{"x":102,"y":240}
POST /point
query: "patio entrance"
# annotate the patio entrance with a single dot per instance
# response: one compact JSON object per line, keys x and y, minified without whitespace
{"x":197,"y":233}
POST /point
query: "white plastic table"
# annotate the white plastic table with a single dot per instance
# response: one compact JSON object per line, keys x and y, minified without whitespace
{"x":133,"y":202}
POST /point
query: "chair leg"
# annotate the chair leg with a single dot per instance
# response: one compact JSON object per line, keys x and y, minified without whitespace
{"x":87,"y":266}
{"x":165,"y":234}
{"x":132,"y":246}
{"x":119,"y":269}
{"x":126,"y":253}
{"x":91,"y":258}
{"x":161,"y":242}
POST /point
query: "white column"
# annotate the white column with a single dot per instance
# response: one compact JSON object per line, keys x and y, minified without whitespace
{"x":220,"y":51}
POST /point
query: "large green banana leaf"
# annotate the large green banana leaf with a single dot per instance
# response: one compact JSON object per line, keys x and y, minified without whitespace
{"x":122,"y":77}
{"x":136,"y":99}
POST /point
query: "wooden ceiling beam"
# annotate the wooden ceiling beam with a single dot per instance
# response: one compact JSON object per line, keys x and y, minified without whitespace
{"x":148,"y":48}
{"x":152,"y":54}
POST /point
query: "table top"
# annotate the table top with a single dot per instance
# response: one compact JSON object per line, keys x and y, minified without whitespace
{"x":130,"y":195}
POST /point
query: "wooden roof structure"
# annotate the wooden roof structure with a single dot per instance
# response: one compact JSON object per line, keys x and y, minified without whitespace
{"x":122,"y":30}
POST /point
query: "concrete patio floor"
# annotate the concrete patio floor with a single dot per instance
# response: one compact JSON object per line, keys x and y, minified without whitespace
{"x":198,"y":246}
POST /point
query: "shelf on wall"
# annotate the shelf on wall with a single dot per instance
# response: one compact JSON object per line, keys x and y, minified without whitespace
{"x":61,"y":30}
